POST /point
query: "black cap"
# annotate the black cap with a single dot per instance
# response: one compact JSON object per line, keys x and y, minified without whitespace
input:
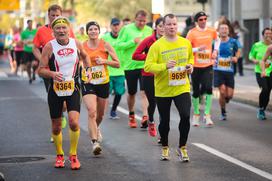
{"x":115,"y":21}
{"x":199,"y":14}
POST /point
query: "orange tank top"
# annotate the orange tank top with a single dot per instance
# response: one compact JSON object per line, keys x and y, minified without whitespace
{"x":99,"y":73}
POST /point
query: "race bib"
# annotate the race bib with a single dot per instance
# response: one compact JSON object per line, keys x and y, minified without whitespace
{"x":64,"y":88}
{"x":98,"y":74}
{"x":224,"y":63}
{"x":203,"y":57}
{"x":177,"y":76}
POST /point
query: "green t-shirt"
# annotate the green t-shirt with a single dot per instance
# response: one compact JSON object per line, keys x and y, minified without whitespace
{"x":113,"y":41}
{"x":257,"y":52}
{"x":28,"y":35}
{"x":127,"y":46}
{"x":170,"y":82}
{"x":81,"y":38}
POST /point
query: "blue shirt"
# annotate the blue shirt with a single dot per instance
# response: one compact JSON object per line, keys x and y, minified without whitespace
{"x":226,"y":51}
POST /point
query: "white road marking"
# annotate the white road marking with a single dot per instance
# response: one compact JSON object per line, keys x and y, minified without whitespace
{"x":122,"y":110}
{"x":234,"y":160}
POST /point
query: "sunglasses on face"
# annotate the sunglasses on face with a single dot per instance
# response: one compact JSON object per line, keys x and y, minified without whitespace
{"x":202,"y":19}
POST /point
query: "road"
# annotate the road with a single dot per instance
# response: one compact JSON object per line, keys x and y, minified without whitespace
{"x":237,"y":149}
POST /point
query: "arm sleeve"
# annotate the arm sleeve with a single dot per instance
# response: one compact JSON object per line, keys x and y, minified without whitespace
{"x":252,"y":53}
{"x":151,"y":63}
{"x":139,"y":53}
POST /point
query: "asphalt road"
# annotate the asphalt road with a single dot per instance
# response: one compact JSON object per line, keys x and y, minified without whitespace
{"x":237,"y":149}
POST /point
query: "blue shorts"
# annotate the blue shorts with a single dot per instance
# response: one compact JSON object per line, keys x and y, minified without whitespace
{"x":117,"y":84}
{"x":226,"y":78}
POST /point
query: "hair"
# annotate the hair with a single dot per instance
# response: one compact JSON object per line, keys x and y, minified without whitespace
{"x":141,"y":12}
{"x":54,"y":7}
{"x":224,"y":20}
{"x":126,"y":19}
{"x":171,"y":16}
{"x":90,"y":24}
{"x":158,"y":21}
{"x":28,"y":21}
{"x":265,"y":29}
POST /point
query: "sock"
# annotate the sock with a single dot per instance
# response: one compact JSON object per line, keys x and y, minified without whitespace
{"x":196,"y":105}
{"x":223,"y":110}
{"x":94,"y":141}
{"x":208,"y":104}
{"x":131,"y":113}
{"x":116,"y":101}
{"x":74,"y":136}
{"x":58,"y":143}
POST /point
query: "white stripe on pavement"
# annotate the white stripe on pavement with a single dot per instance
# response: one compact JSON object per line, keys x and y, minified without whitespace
{"x":122,"y":110}
{"x":234,"y":160}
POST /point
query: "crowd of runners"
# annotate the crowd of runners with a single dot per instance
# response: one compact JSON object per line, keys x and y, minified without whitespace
{"x":156,"y":61}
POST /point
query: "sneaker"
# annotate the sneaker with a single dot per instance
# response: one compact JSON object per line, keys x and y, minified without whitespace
{"x":59,"y":161}
{"x":113,"y":115}
{"x":152,"y":129}
{"x":223,"y":117}
{"x":183,"y":154}
{"x":261,"y":114}
{"x":96,"y":148}
{"x":195,"y":121}
{"x":75,"y":164}
{"x":208,"y":120}
{"x":144,"y":122}
{"x":63,"y":122}
{"x":159,"y":141}
{"x":99,"y":136}
{"x":51,"y":140}
{"x":165,"y":153}
{"x":132,"y":122}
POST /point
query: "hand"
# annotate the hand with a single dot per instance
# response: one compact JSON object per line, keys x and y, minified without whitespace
{"x":58,"y":76}
{"x":189,"y":68}
{"x":263,"y":74}
{"x":214,"y":54}
{"x":234,"y":59}
{"x":137,"y":40}
{"x":170,"y":64}
{"x":202,"y":47}
{"x":100,"y":61}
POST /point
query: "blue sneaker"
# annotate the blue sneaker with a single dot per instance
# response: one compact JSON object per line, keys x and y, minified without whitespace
{"x":261,"y":114}
{"x":223,"y":117}
{"x":113,"y":115}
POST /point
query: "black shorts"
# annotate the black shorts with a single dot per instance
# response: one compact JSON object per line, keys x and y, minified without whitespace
{"x":56,"y":103}
{"x":202,"y":79}
{"x":132,"y":77}
{"x":226,"y":78}
{"x":1,"y":50}
{"x":19,"y":55}
{"x":28,"y":57}
{"x":102,"y":90}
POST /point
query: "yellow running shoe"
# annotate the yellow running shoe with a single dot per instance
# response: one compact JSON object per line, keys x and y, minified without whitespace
{"x":183,"y":154}
{"x":63,"y":122}
{"x":165,"y":153}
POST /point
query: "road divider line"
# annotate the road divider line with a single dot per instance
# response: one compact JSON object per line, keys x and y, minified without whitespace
{"x":124,"y":111}
{"x":234,"y":160}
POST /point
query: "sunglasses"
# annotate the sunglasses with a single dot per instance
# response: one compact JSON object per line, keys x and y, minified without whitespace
{"x":202,"y":19}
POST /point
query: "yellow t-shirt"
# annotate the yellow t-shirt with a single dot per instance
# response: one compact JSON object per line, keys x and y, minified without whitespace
{"x":175,"y":81}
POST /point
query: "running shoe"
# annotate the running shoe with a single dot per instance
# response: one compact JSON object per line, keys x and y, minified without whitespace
{"x":59,"y":161}
{"x":195,"y":121}
{"x":75,"y":164}
{"x":63,"y":122}
{"x":261,"y":114}
{"x":208,"y":120}
{"x":144,"y":122}
{"x":223,"y":117}
{"x":132,"y":122}
{"x":183,"y":154}
{"x":159,"y":141}
{"x":99,"y":136}
{"x":96,"y":148}
{"x":113,"y":115}
{"x":165,"y":153}
{"x":152,"y":129}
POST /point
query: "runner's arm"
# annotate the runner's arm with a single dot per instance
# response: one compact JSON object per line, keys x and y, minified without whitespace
{"x":114,"y":62}
{"x":262,"y":63}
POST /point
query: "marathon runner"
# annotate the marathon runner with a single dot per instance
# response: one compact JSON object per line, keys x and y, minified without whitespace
{"x":170,"y":59}
{"x":59,"y":63}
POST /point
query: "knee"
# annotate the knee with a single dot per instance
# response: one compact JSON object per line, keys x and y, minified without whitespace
{"x":73,"y":123}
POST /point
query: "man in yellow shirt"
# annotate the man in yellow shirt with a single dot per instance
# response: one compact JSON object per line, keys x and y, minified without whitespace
{"x":170,"y":59}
